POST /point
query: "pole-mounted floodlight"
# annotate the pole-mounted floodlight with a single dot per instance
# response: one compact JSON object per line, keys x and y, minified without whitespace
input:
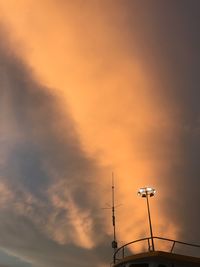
{"x":148,"y":192}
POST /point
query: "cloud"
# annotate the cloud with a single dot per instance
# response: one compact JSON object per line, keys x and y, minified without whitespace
{"x":49,"y":210}
{"x":128,"y":75}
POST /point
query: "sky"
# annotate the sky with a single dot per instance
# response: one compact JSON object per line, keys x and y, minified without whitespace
{"x":88,"y":88}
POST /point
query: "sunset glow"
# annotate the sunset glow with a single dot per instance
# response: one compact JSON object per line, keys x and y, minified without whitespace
{"x":114,"y":106}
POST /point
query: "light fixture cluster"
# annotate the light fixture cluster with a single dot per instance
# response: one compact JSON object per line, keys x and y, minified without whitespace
{"x":146,"y":191}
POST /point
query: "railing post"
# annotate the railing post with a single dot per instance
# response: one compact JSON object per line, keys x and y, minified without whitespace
{"x":149,"y":246}
{"x":123,"y":254}
{"x":173,"y":246}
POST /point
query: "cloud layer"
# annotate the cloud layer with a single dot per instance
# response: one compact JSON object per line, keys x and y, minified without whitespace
{"x":48,"y":203}
{"x":121,"y":90}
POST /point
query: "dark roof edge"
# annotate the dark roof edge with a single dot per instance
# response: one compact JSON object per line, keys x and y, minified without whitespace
{"x":177,"y":258}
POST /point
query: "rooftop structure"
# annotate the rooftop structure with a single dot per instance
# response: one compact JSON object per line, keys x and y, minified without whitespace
{"x":123,"y":257}
{"x":150,"y":255}
{"x":158,"y":259}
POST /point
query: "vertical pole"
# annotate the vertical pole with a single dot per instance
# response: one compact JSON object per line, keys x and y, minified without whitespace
{"x":149,"y":215}
{"x":149,"y":246}
{"x":113,"y":207}
{"x":114,"y":243}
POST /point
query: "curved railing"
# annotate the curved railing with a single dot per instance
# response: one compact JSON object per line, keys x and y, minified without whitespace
{"x":121,"y":251}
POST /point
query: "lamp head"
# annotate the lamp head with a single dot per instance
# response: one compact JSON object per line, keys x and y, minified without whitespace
{"x":146,"y":191}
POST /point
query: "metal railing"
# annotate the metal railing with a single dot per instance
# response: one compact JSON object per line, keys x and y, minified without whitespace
{"x":121,"y":251}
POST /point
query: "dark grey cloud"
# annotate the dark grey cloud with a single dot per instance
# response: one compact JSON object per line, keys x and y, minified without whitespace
{"x":169,"y":41}
{"x":44,"y":175}
{"x":41,"y":156}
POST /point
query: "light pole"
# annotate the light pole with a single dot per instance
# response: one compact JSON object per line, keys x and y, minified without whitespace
{"x":148,"y":192}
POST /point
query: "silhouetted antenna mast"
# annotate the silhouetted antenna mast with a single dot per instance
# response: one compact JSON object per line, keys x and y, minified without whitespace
{"x":114,"y":242}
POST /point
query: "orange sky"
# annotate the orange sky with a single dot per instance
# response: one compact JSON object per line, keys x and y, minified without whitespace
{"x":79,"y":52}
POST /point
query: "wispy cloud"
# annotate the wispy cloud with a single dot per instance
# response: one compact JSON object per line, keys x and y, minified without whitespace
{"x":115,"y":85}
{"x":49,"y":210}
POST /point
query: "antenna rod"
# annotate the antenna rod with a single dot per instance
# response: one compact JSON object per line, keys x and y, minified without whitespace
{"x":114,"y":243}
